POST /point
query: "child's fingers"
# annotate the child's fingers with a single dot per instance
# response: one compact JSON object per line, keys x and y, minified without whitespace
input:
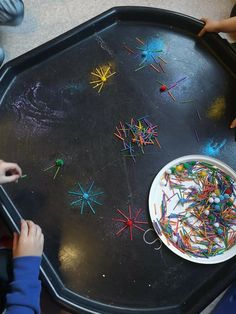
{"x":41,"y":241}
{"x":15,"y":240}
{"x":32,"y":228}
{"x":14,"y":168}
{"x":24,"y":229}
{"x":12,"y":178}
{"x":42,"y":238}
{"x":233,"y":124}
{"x":204,"y":19}
{"x":202,"y":32}
{"x":38,"y":231}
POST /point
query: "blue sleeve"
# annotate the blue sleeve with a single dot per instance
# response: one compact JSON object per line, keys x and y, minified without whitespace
{"x":25,"y":289}
{"x":228,"y":302}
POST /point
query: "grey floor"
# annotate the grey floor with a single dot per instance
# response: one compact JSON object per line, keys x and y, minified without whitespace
{"x":46,"y":19}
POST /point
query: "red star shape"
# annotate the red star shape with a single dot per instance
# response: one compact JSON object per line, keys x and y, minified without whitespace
{"x":130,"y":222}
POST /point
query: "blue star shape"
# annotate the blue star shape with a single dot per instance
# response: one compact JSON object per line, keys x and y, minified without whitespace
{"x":149,"y":50}
{"x":85,"y":198}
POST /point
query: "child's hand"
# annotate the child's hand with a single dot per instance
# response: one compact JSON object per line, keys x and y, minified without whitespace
{"x":29,"y":242}
{"x":9,"y":172}
{"x":210,"y":26}
{"x":233,"y":124}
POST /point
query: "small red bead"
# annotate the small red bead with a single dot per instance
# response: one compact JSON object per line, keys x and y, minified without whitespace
{"x":228,"y":191}
{"x":129,"y":222}
{"x":163,"y":88}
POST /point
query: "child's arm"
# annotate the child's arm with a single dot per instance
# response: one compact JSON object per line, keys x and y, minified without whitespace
{"x":9,"y":172}
{"x":225,"y":26}
{"x":25,"y":288}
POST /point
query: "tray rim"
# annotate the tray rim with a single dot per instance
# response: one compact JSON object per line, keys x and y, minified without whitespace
{"x":115,"y":14}
{"x":13,"y":67}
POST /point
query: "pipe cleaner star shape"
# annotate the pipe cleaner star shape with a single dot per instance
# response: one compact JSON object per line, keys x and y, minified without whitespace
{"x":100,"y":76}
{"x":130,"y":222}
{"x":149,"y":53}
{"x":85,"y":198}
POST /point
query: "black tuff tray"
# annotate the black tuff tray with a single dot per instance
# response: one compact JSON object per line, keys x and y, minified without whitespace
{"x":49,"y":110}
